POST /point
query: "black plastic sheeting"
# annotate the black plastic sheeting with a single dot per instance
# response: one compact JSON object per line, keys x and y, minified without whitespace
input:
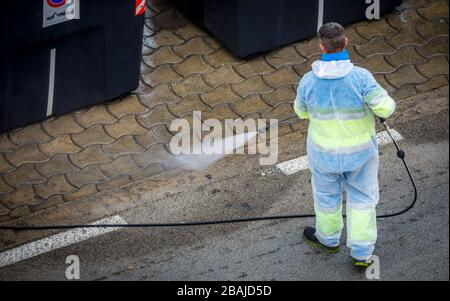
{"x":250,"y":27}
{"x":97,"y":58}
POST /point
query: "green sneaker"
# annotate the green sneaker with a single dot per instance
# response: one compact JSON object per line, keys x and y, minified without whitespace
{"x":310,"y":237}
{"x":361,"y":264}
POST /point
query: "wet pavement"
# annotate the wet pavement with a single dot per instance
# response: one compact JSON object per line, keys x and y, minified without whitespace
{"x":91,"y":151}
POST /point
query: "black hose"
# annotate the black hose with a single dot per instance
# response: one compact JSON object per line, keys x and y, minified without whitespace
{"x":400,"y":154}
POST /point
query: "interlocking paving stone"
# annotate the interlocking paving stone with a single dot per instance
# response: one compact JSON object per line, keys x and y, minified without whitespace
{"x":437,"y":46}
{"x":93,"y":135}
{"x":5,"y":166}
{"x":59,"y":145}
{"x":405,"y":55}
{"x":284,"y":57}
{"x":159,"y":115}
{"x":161,"y":94}
{"x":405,"y":91}
{"x":126,"y":126}
{"x":55,"y":185}
{"x":127,"y":106}
{"x":282,"y":94}
{"x":374,"y":46}
{"x":121,"y":166}
{"x":58,"y":165}
{"x":115,"y":182}
{"x":436,"y":9}
{"x":151,"y":170}
{"x":251,"y":86}
{"x":280,"y":111}
{"x":223,"y":75}
{"x":433,"y":83}
{"x":183,"y":69}
{"x":6,"y":145}
{"x":408,"y":36}
{"x":220,"y":95}
{"x":162,"y":38}
{"x":354,"y":55}
{"x":87,"y":175}
{"x":194,"y":46}
{"x":221,"y":57}
{"x":187,"y":105}
{"x":252,"y":104}
{"x":191,"y":85}
{"x":162,"y":74}
{"x":87,"y":190}
{"x":52,"y":201}
{"x":163,"y":55}
{"x":4,"y":188}
{"x":431,"y":29}
{"x":256,"y":66}
{"x":25,"y":174}
{"x":405,"y":75}
{"x":95,"y":115}
{"x":4,"y":210}
{"x":377,"y":65}
{"x":376,"y":28}
{"x":62,"y":125}
{"x":220,"y":112}
{"x":189,"y":31}
{"x":156,"y":135}
{"x":308,"y":48}
{"x":31,"y":134}
{"x":193,"y":65}
{"x":282,"y":76}
{"x":20,"y":211}
{"x":437,"y":65}
{"x":155,"y":154}
{"x":90,"y":155}
{"x":25,"y":154}
{"x":125,"y":145}
{"x":354,"y":37}
{"x":22,"y":195}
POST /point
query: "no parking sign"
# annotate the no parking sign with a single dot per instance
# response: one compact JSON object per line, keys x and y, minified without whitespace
{"x":59,"y":11}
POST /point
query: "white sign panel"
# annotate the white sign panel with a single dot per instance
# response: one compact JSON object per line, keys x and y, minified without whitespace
{"x":59,"y":11}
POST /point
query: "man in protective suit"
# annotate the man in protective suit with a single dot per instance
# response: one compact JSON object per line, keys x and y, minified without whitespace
{"x":341,"y":101}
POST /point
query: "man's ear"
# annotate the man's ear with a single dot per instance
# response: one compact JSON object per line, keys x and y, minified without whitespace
{"x":346,"y":42}
{"x":324,"y":50}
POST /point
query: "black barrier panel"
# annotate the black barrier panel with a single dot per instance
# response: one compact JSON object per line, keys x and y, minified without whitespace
{"x":51,"y":65}
{"x":251,"y":27}
{"x":349,"y":11}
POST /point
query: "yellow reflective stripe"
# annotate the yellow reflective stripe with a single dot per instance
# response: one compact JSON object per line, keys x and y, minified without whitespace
{"x":303,"y":114}
{"x":362,"y":225}
{"x":329,"y":223}
{"x":332,"y":134}
{"x":385,"y":107}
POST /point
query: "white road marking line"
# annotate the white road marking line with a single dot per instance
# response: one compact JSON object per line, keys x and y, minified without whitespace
{"x":51,"y":82}
{"x":57,"y":241}
{"x":298,"y":164}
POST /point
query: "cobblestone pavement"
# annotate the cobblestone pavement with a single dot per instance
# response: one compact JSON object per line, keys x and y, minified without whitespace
{"x":184,"y":69}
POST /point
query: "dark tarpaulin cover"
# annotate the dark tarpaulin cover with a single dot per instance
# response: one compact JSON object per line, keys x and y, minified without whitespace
{"x":97,"y":58}
{"x":250,"y":27}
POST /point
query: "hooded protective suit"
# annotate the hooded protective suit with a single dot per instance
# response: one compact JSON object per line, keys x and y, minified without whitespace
{"x":340,"y":101}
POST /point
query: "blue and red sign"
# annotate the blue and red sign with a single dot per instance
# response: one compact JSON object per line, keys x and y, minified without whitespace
{"x":56,"y":3}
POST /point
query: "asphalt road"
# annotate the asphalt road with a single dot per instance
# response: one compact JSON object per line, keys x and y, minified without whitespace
{"x":413,"y":246}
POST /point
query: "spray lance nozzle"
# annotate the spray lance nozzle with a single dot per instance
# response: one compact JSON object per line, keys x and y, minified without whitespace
{"x":400,"y":153}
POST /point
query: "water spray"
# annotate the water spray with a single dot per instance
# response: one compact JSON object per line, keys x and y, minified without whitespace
{"x":400,"y":155}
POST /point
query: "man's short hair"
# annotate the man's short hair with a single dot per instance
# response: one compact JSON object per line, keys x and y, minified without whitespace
{"x":332,"y":37}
